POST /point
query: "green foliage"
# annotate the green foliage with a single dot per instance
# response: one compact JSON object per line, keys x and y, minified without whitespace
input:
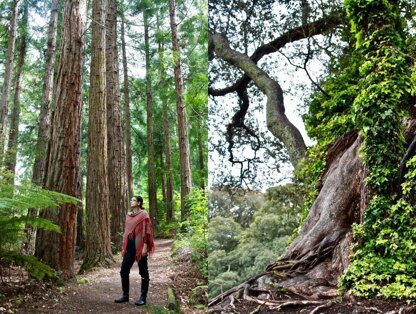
{"x":164,"y":228}
{"x":193,"y":230}
{"x":238,"y":204}
{"x":383,"y":262}
{"x":330,"y":115}
{"x":30,"y":263}
{"x":223,"y":234}
{"x":15,"y":201}
{"x":83,"y":280}
{"x":258,"y":245}
{"x":223,"y":282}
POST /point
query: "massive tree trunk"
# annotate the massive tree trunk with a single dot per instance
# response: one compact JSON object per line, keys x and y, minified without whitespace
{"x":97,"y":245}
{"x":38,"y":176}
{"x":167,"y":169}
{"x":151,"y":165}
{"x":117,"y":176}
{"x":12,"y":143}
{"x":184,"y":156}
{"x":314,"y":261}
{"x":57,"y":250}
{"x":7,"y":80}
{"x":127,"y":119}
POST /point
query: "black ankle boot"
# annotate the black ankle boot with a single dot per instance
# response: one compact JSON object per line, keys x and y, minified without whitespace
{"x":122,"y":299}
{"x":126,"y":287}
{"x":145,"y":288}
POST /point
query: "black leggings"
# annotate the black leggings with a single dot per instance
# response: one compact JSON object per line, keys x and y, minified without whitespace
{"x":128,"y":261}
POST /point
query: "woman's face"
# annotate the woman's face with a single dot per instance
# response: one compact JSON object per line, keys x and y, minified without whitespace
{"x":133,"y":202}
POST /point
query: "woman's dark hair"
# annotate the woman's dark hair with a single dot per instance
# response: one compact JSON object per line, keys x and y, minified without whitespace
{"x":140,"y":200}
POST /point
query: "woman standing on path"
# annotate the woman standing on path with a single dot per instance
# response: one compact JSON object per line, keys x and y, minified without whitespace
{"x":137,"y":244}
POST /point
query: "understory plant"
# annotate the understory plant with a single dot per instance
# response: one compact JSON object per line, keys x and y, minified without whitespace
{"x":383,"y":262}
{"x":193,"y":229}
{"x":15,"y":202}
{"x":368,"y":92}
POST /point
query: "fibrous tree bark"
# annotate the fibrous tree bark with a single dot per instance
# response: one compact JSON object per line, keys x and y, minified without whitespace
{"x":127,"y":119}
{"x":117,"y":176}
{"x":38,"y":175}
{"x":7,"y":80}
{"x":57,"y":250}
{"x":80,"y":240}
{"x":97,"y":244}
{"x":151,"y":164}
{"x":166,"y":131}
{"x":184,"y":155}
{"x":11,"y":154}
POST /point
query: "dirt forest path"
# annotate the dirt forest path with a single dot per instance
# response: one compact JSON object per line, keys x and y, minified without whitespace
{"x":99,"y":288}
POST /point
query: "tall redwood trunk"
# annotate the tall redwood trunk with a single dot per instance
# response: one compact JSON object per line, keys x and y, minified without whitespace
{"x":151,"y":165}
{"x":57,"y":250}
{"x":38,"y":175}
{"x":117,"y":176}
{"x":7,"y":80}
{"x":97,"y":245}
{"x":186,"y":176}
{"x":11,"y":155}
{"x":167,"y":169}
{"x":127,"y":118}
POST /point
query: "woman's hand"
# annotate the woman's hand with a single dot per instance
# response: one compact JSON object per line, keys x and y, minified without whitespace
{"x":144,"y":250}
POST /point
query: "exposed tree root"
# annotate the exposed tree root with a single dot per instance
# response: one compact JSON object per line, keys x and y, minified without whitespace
{"x":296,"y":303}
{"x":323,"y":306}
{"x":262,"y":302}
{"x":256,"y":310}
{"x":372,"y":309}
{"x":237,"y":292}
{"x":407,"y":309}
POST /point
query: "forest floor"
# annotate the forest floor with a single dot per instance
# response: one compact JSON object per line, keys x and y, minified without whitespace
{"x":95,"y":291}
{"x":290,"y":303}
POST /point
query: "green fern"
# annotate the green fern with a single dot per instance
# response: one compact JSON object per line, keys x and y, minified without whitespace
{"x":15,"y":201}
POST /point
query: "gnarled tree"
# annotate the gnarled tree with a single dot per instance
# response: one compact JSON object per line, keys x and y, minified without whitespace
{"x":361,"y":171}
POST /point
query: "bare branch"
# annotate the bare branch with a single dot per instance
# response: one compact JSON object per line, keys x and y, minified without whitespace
{"x":277,"y":122}
{"x":315,"y":28}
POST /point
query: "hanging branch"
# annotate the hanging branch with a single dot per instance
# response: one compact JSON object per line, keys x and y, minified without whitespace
{"x":320,"y":26}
